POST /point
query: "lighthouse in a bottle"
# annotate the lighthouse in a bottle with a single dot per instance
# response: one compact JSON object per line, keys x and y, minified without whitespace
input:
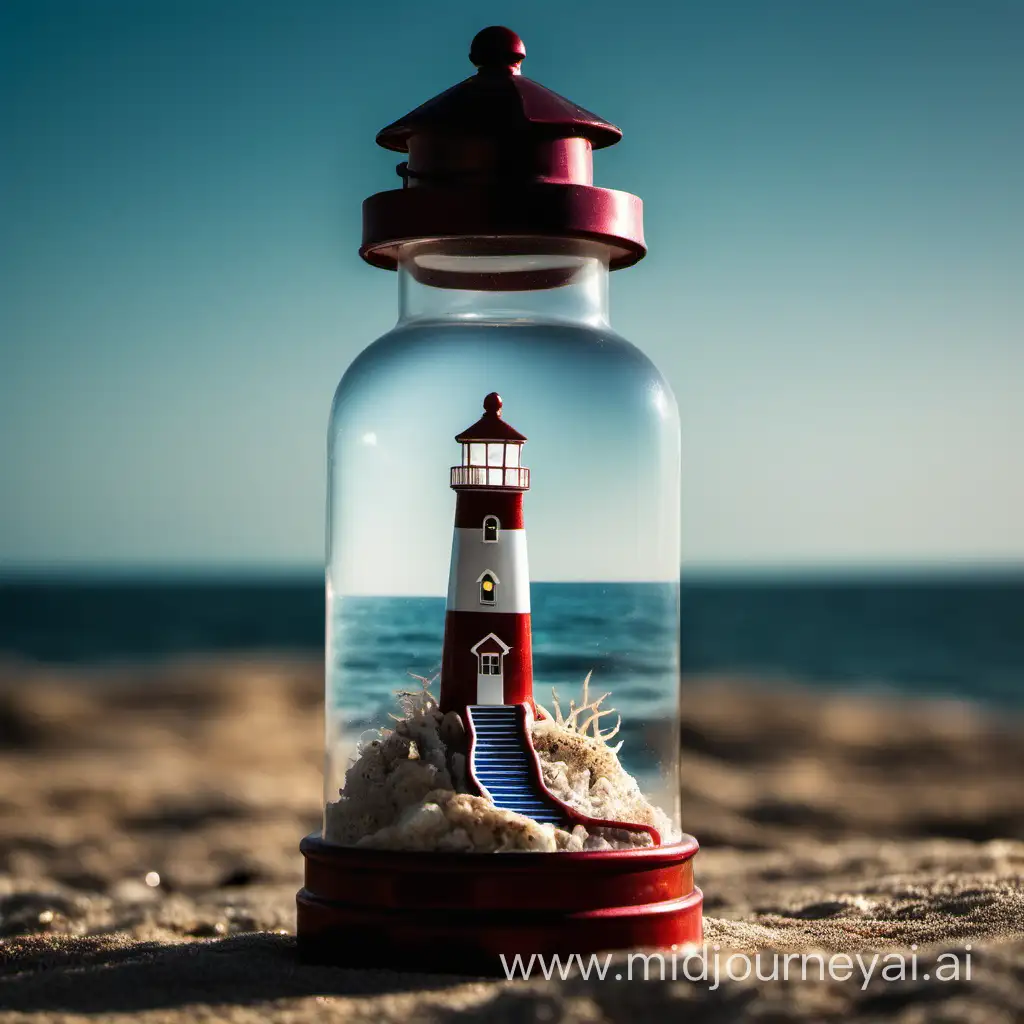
{"x":475,"y":824}
{"x":487,"y":657}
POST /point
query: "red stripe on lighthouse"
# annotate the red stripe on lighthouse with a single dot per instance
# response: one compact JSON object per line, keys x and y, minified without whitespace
{"x":459,"y":665}
{"x":472,"y":506}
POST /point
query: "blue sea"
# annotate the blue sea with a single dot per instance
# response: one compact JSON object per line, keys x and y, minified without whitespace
{"x":960,"y":637}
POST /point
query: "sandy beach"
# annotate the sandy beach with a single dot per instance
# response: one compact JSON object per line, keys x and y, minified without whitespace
{"x":150,"y":817}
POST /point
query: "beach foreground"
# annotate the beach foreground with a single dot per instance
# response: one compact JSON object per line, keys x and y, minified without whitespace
{"x":150,"y":819}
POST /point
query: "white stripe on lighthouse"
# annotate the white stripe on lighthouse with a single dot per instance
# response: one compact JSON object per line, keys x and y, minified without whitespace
{"x":506,"y":559}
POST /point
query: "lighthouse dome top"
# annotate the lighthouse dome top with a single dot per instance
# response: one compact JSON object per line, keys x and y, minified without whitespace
{"x":498,"y":102}
{"x":490,"y":426}
{"x":499,"y":156}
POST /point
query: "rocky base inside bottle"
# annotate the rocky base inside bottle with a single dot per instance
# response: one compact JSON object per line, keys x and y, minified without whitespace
{"x":458,"y":913}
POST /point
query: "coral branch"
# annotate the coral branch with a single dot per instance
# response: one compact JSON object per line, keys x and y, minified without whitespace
{"x":558,"y":710}
{"x":588,"y":712}
{"x":416,"y":701}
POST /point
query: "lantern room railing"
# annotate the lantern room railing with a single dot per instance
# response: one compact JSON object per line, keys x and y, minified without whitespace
{"x":516,"y":478}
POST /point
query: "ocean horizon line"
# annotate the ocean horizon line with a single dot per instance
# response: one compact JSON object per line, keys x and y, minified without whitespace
{"x":696,"y":575}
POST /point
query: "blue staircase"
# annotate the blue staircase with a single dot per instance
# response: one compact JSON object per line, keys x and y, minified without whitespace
{"x":501,"y":763}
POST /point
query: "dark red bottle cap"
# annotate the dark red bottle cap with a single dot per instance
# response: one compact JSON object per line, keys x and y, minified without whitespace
{"x":500,"y":156}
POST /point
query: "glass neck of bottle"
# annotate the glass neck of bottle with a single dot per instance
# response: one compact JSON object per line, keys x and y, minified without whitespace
{"x":479,"y":281}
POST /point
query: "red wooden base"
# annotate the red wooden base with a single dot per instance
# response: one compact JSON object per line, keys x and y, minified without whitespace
{"x":457,"y":912}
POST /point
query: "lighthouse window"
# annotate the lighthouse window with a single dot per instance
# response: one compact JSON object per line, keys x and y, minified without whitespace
{"x":495,"y":455}
{"x":511,"y":455}
{"x":478,"y":455}
{"x":487,"y":589}
{"x":490,"y":664}
{"x":494,"y":477}
{"x":491,"y":526}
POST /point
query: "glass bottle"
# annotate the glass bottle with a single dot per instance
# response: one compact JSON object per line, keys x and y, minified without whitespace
{"x":601,"y":512}
{"x":488,"y":695}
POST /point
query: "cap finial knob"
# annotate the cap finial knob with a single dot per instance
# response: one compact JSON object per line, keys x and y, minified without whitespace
{"x":492,"y":404}
{"x":497,"y":49}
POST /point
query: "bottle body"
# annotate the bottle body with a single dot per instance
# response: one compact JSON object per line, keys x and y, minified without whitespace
{"x":601,"y":510}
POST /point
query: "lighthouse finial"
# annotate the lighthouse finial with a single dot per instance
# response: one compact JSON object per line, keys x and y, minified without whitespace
{"x":492,"y":404}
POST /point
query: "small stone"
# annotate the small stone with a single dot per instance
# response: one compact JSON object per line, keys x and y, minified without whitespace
{"x":453,"y":732}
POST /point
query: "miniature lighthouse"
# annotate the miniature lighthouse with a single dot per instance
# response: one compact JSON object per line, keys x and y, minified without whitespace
{"x":487,"y":657}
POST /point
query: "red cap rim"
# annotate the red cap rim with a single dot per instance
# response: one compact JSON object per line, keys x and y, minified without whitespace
{"x":541,"y":209}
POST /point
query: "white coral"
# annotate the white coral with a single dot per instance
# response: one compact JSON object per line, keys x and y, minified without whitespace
{"x":591,"y":712}
{"x":389,"y":775}
{"x":406,"y":790}
{"x":457,"y":821}
{"x":584,"y":772}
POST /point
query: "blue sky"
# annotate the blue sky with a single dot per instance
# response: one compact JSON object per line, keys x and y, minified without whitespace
{"x":836,"y":227}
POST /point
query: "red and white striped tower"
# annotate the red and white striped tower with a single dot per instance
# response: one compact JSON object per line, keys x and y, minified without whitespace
{"x":488,"y":655}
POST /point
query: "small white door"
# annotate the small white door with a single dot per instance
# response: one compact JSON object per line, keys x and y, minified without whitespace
{"x":490,"y":688}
